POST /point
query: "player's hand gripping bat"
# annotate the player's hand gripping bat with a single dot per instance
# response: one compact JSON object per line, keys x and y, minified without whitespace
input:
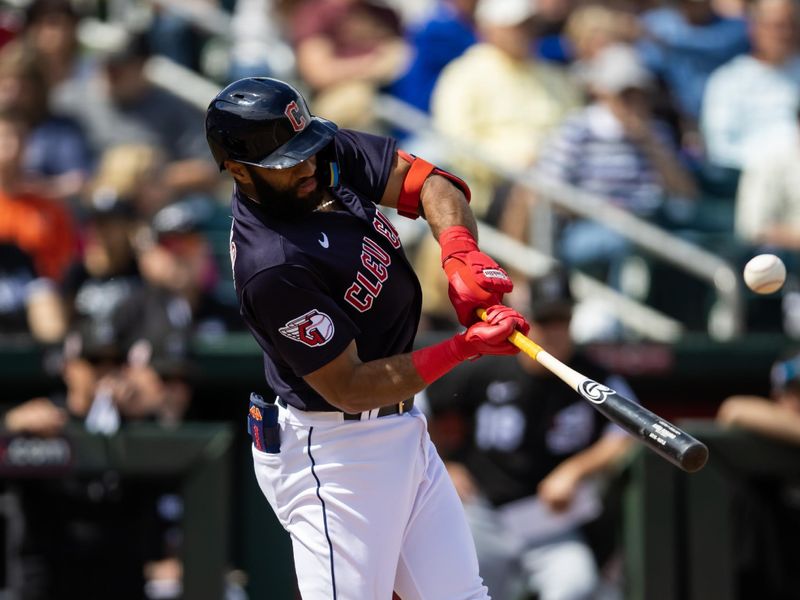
{"x":677,"y":446}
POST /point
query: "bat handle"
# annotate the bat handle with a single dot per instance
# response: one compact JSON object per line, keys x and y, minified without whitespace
{"x":524,"y":343}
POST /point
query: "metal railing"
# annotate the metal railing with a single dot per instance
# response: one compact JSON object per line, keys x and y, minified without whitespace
{"x":674,"y":250}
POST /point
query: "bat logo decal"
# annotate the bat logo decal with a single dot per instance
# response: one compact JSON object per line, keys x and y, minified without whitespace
{"x":594,"y":392}
{"x":314,"y":328}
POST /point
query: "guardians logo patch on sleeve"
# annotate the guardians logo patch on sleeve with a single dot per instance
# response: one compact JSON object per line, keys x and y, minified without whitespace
{"x":314,"y":328}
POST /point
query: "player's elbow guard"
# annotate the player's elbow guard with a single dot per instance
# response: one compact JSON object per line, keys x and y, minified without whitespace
{"x":409,"y":202}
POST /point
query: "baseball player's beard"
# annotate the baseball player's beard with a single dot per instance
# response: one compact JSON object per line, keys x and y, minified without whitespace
{"x":287,"y":204}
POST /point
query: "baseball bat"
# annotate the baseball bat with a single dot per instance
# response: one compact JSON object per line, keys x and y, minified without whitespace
{"x":667,"y":440}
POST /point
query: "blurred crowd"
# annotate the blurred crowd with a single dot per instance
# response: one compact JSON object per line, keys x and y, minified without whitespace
{"x":114,"y":215}
{"x":114,"y":218}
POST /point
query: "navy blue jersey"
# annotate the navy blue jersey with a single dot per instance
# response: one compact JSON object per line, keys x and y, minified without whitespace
{"x":309,"y":287}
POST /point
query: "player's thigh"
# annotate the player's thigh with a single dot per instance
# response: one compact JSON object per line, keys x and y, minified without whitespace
{"x":438,"y":558}
{"x":345,"y":493}
{"x":562,"y":569}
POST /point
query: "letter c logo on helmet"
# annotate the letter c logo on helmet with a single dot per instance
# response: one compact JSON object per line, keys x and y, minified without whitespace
{"x":295,"y":116}
{"x":264,"y":122}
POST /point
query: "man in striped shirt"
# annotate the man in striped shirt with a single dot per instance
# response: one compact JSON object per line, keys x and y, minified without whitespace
{"x":612,"y":148}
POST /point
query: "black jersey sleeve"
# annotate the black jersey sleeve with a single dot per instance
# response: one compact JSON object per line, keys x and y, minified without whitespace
{"x":294,"y":319}
{"x":365,"y":161}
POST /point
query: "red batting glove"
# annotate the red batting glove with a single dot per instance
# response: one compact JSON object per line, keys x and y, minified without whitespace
{"x":489,"y":337}
{"x":475,"y":279}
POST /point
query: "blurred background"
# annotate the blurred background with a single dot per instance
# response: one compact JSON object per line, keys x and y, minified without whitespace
{"x":644,"y":150}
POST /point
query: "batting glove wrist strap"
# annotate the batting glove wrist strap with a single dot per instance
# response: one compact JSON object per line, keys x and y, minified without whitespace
{"x":483,"y":337}
{"x":475,"y":279}
{"x":434,"y":361}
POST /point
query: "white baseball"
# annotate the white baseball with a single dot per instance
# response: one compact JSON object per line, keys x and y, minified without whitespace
{"x":764,"y":273}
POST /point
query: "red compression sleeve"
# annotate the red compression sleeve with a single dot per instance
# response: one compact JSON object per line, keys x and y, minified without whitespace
{"x":434,"y":361}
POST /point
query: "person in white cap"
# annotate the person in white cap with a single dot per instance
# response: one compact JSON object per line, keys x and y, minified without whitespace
{"x":498,"y":98}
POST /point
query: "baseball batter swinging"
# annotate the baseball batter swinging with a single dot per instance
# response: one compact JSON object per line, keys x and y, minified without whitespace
{"x":324,"y":286}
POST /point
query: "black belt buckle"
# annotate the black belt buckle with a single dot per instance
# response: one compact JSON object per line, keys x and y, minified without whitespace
{"x":262,"y":424}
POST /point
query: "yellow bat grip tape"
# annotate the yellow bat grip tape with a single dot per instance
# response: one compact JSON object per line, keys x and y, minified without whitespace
{"x":527,"y":345}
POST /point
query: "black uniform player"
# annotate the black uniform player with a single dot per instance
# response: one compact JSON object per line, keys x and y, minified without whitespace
{"x":325,"y":288}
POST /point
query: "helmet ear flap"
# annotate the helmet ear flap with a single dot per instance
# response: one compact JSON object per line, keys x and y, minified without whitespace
{"x":327,"y":167}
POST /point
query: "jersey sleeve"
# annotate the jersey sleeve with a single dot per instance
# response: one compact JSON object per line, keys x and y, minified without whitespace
{"x":296,"y":319}
{"x":365,"y":161}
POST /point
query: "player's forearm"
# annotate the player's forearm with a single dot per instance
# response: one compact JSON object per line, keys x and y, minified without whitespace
{"x":444,"y":205}
{"x":378,"y":383}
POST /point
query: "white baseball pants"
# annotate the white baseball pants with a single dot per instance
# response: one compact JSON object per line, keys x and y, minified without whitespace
{"x":370,"y":509}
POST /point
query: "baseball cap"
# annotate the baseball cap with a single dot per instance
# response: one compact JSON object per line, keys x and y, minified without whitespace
{"x":551,"y":297}
{"x":785,"y":373}
{"x":617,"y":68}
{"x":504,"y":13}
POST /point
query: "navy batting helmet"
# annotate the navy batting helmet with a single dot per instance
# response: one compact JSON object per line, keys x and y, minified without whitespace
{"x":264,"y":122}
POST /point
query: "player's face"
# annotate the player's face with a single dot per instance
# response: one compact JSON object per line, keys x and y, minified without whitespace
{"x":289,"y":193}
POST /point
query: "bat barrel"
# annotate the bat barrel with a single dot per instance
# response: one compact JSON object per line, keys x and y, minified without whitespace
{"x":667,"y":440}
{"x":677,"y":446}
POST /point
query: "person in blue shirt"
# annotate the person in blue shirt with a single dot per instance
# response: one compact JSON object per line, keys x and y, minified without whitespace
{"x":443,"y":36}
{"x":683,"y":43}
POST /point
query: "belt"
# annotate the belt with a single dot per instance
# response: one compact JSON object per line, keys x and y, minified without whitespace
{"x":383,"y":411}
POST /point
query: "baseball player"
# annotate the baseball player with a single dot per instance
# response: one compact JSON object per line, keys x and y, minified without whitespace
{"x":324,"y":286}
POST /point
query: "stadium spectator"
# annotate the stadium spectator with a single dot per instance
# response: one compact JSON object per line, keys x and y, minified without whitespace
{"x":750,"y":101}
{"x":683,"y":44}
{"x":259,"y":46}
{"x":56,"y":154}
{"x":613,"y":148}
{"x":768,"y":199}
{"x":766,"y":519}
{"x":97,"y":285}
{"x":30,"y":306}
{"x":40,"y":226}
{"x":179,"y":258}
{"x":498,"y":99}
{"x":133,"y":171}
{"x":551,"y":18}
{"x":592,"y":27}
{"x":96,"y":543}
{"x":777,"y":417}
{"x":442,"y":36}
{"x":346,"y":50}
{"x":123,"y":107}
{"x":51,"y":34}
{"x":527,"y":464}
